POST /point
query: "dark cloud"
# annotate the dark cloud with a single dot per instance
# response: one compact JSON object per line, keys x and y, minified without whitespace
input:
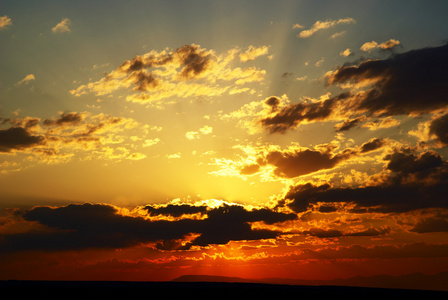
{"x":250,"y":169}
{"x":174,"y":210}
{"x":405,"y":162}
{"x":334,"y":233}
{"x":194,"y":60}
{"x":413,"y":82}
{"x":435,"y":224}
{"x":417,"y":182}
{"x":67,"y":118}
{"x":372,"y":145}
{"x":17,"y":138}
{"x":100,"y":226}
{"x":348,"y":124}
{"x":387,"y":198}
{"x":439,"y":127}
{"x":273,"y":102}
{"x":191,"y":58}
{"x":143,"y":80}
{"x":409,"y":83}
{"x":290,"y":116}
{"x":292,"y":163}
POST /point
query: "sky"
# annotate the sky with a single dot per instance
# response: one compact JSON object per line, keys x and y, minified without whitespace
{"x":145,"y":140}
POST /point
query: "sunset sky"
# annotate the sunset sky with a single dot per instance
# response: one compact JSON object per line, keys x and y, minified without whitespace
{"x":144,"y":140}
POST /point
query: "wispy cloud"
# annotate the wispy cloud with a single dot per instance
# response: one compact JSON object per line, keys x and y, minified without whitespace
{"x":62,"y":26}
{"x":384,"y":46}
{"x":183,"y":72}
{"x":27,"y":79}
{"x":5,"y":21}
{"x":321,"y":25}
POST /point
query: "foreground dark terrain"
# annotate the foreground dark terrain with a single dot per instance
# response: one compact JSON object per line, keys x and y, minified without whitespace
{"x":76,"y":289}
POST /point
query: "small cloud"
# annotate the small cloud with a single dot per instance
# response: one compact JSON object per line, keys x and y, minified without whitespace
{"x":346,"y":52}
{"x":297,"y":26}
{"x":27,"y":79}
{"x":320,"y":25}
{"x":366,"y":47}
{"x":136,"y":156}
{"x":62,"y":26}
{"x":206,"y":129}
{"x":319,"y":62}
{"x":252,"y":53}
{"x":191,"y":135}
{"x":5,"y":21}
{"x":338,"y":34}
{"x":152,"y":142}
{"x":173,"y":156}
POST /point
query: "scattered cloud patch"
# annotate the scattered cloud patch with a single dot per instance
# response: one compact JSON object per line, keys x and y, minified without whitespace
{"x":62,"y":26}
{"x":321,"y":25}
{"x":5,"y":22}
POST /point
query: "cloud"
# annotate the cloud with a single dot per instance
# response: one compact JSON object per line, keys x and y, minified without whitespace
{"x":5,"y":22}
{"x":320,"y":25}
{"x":17,"y":138}
{"x":191,"y":135}
{"x":374,"y":89}
{"x":346,"y":52}
{"x":66,"y":118}
{"x":26,"y":79}
{"x":296,"y":26}
{"x":416,"y":182}
{"x":136,"y":156}
{"x":294,"y":161}
{"x":338,"y":34}
{"x":83,"y":226}
{"x":62,"y":26}
{"x":184,"y":72}
{"x":58,"y":139}
{"x":349,"y":123}
{"x":252,"y":52}
{"x":397,"y":84}
{"x":435,"y":224}
{"x":439,"y":128}
{"x":290,"y":116}
{"x":151,"y":142}
{"x":366,"y":47}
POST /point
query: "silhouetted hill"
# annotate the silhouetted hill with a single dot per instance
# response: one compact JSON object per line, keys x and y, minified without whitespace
{"x":416,"y":281}
{"x":113,"y":289}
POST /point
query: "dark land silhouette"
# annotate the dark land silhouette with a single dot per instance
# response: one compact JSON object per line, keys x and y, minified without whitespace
{"x":202,"y":286}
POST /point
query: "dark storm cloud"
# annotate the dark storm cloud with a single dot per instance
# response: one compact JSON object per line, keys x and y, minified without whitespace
{"x":417,"y":182}
{"x":17,"y":138}
{"x":100,"y":226}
